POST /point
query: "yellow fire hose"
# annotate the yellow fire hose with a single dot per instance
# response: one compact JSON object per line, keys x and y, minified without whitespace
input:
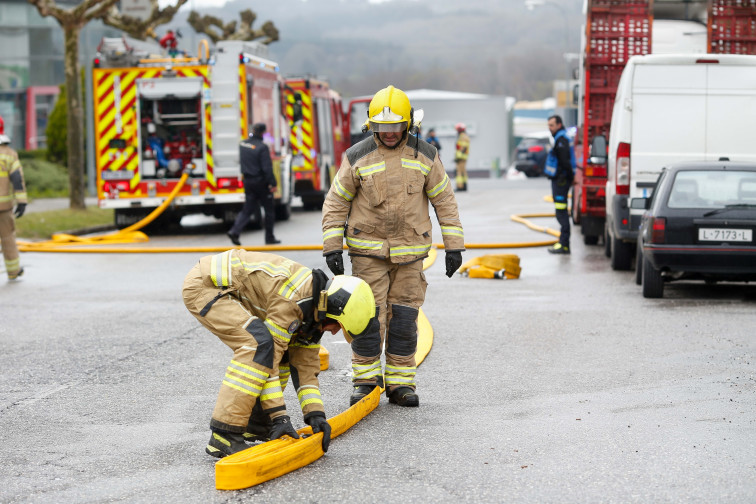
{"x":275,"y":458}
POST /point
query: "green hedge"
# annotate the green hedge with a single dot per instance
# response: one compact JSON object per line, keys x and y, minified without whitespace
{"x":44,"y":179}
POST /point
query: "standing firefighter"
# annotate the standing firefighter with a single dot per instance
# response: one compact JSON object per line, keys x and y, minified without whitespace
{"x":461,"y":155}
{"x":379,"y":201}
{"x":11,"y":188}
{"x":560,"y":168}
{"x":272,"y":313}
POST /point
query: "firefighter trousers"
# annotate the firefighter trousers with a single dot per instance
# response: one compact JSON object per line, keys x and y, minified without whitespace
{"x":461,"y":174}
{"x":560,"y":189}
{"x":251,"y":368}
{"x":8,"y":242}
{"x":399,"y":291}
{"x":256,"y":193}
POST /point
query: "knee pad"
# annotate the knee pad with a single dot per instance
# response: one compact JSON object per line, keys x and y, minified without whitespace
{"x":402,"y":330}
{"x":368,"y":343}
{"x":264,"y":352}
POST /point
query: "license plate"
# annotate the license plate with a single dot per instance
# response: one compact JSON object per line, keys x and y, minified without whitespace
{"x":728,"y":235}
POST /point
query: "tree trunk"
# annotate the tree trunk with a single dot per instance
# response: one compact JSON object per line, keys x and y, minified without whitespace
{"x":75,"y":116}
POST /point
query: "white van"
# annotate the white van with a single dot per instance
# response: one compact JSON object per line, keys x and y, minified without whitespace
{"x":672,"y":108}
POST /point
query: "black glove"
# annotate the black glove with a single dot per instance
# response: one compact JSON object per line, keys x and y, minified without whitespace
{"x":335,"y":263}
{"x":282,"y":427}
{"x":319,"y":423}
{"x":453,"y":262}
{"x":20,"y":209}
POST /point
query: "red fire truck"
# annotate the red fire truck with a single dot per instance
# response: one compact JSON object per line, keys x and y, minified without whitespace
{"x":317,"y":137}
{"x":157,"y":116}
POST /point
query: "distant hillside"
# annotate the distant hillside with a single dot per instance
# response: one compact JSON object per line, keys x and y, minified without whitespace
{"x":480,"y":46}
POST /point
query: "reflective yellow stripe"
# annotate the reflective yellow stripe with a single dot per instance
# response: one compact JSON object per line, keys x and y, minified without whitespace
{"x":332,"y":233}
{"x":560,"y":206}
{"x":439,"y":188}
{"x":272,"y":389}
{"x":365,"y":372}
{"x":309,"y":395}
{"x":220,"y":269}
{"x":364,"y":244}
{"x":292,"y":284}
{"x":341,"y":190}
{"x":254,"y":387}
{"x":410,"y":250}
{"x":452,"y":231}
{"x":270,"y":268}
{"x":247,"y":371}
{"x":278,"y":331}
{"x":364,"y":171}
{"x":416,"y":165}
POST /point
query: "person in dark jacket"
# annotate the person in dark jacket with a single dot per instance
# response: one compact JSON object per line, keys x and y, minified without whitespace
{"x":560,"y":166}
{"x":433,"y":139}
{"x":259,"y":185}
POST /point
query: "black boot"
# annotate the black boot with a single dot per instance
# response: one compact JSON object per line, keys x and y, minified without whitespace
{"x":223,"y":443}
{"x":360,"y":391}
{"x":403,"y":396}
{"x":271,"y":240}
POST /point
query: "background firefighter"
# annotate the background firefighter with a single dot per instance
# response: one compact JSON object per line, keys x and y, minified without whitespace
{"x":460,"y":156}
{"x":272,"y":312}
{"x":382,"y":191}
{"x":12,"y":188}
{"x":560,"y":168}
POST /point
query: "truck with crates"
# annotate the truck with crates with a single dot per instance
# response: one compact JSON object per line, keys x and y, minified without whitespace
{"x":614,"y":32}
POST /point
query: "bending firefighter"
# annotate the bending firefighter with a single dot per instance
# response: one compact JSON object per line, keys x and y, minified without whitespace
{"x":379,"y":202}
{"x":461,"y":154}
{"x":12,"y":189}
{"x":272,"y":312}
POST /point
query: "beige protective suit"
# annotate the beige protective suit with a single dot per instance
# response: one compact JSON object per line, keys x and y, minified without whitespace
{"x":379,"y":202}
{"x":261,"y":306}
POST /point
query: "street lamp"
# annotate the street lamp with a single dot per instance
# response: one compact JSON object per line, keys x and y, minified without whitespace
{"x":532,"y":5}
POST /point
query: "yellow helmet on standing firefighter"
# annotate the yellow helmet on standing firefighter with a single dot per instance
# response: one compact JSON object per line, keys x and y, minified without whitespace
{"x":390,"y":111}
{"x":350,"y":302}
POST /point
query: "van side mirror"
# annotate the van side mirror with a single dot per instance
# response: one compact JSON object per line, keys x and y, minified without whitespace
{"x":597,"y":154}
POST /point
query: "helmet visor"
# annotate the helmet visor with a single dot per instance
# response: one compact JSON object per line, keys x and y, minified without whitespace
{"x":396,"y":127}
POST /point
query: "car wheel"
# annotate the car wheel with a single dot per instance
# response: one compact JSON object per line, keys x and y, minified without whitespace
{"x":590,"y":239}
{"x":639,"y":265}
{"x":653,"y":283}
{"x":622,"y":255}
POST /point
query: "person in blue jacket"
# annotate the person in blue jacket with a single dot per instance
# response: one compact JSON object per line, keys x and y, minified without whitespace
{"x":433,"y":139}
{"x":560,"y":168}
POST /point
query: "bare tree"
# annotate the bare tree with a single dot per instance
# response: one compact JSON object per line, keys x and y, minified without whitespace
{"x":72,"y":21}
{"x":216,"y":30}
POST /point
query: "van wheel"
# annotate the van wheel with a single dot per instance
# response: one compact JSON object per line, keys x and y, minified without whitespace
{"x":653,"y":283}
{"x":622,"y":255}
{"x":607,"y":245}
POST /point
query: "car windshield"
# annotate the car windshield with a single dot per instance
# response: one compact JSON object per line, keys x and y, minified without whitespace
{"x":529,"y":142}
{"x":712,"y":189}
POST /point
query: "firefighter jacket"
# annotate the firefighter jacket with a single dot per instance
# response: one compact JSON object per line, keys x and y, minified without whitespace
{"x":463,"y":147}
{"x":279,"y":293}
{"x":379,"y":202}
{"x":255,"y":161}
{"x":12,"y":185}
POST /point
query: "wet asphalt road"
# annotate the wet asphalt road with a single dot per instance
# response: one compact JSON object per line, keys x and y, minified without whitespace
{"x":562,"y":386}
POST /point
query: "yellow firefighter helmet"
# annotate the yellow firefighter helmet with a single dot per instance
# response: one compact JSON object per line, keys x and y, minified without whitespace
{"x":390,"y":111}
{"x":351,"y":303}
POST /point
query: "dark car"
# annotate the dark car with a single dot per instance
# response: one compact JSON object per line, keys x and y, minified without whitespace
{"x":530,"y":155}
{"x":700,"y":224}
